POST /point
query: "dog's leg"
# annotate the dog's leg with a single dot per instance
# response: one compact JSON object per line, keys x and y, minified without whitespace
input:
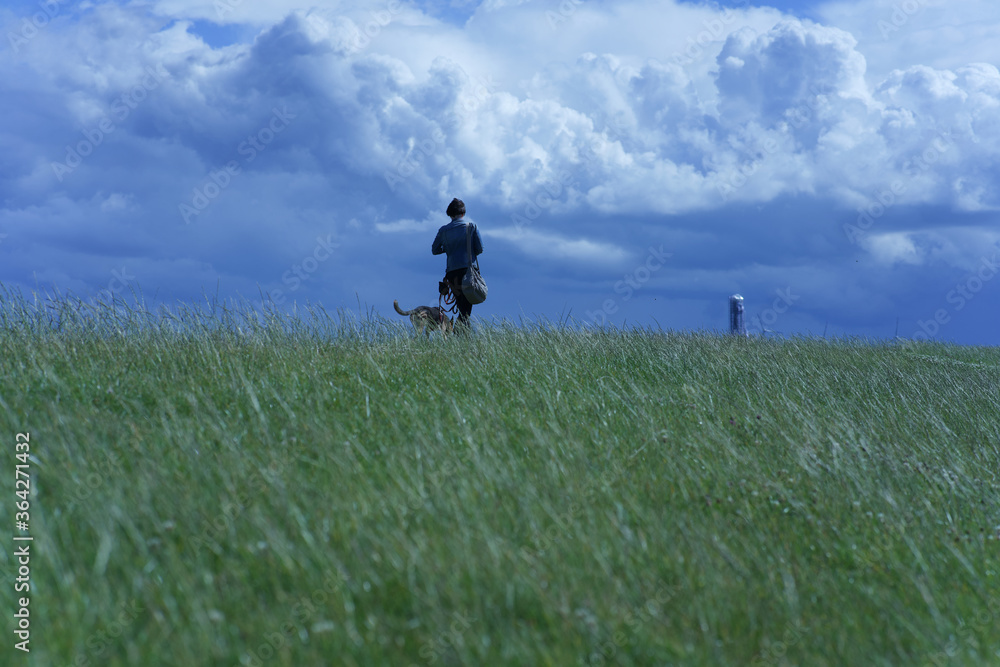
{"x":421,"y":325}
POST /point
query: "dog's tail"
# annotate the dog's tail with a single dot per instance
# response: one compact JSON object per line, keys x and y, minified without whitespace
{"x":395,"y":304}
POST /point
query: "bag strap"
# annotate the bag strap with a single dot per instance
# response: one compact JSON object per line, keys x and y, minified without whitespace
{"x":468,"y":243}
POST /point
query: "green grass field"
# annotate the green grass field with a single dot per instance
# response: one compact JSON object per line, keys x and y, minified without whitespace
{"x":207,"y":489}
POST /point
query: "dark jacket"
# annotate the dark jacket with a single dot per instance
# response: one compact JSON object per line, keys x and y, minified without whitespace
{"x":451,"y":239}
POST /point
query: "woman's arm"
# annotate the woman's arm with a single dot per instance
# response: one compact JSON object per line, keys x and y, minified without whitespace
{"x":438,"y":246}
{"x":477,"y":243}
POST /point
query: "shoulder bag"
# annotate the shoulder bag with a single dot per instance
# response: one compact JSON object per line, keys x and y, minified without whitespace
{"x":473,"y":285}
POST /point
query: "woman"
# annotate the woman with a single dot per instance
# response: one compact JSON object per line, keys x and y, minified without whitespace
{"x":451,"y":239}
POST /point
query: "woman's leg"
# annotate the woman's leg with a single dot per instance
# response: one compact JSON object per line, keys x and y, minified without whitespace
{"x":454,"y":278}
{"x":464,"y":307}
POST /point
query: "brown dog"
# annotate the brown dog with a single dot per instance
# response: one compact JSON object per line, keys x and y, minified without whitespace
{"x":426,"y":319}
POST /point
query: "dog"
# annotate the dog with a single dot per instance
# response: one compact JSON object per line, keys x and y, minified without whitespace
{"x":426,"y":319}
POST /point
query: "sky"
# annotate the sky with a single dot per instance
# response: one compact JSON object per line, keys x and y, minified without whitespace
{"x":628,"y":163}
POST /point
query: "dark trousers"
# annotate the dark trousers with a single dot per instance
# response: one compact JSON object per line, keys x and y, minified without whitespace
{"x":454,"y":278}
